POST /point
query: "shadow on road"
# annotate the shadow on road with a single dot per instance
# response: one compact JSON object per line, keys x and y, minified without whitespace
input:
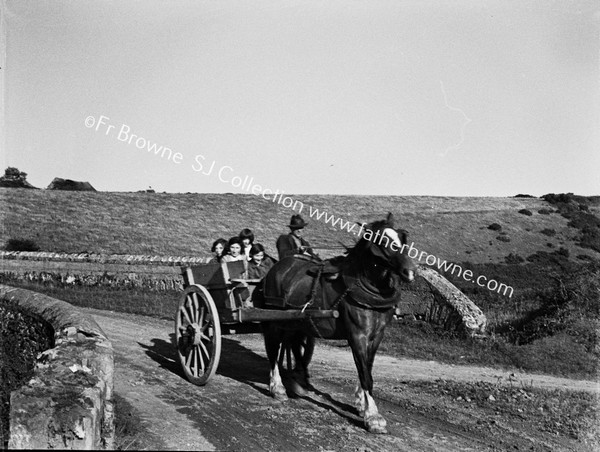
{"x":245,"y":366}
{"x":237,"y":362}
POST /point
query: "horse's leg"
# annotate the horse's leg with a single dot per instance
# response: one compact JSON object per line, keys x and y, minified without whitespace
{"x":309,"y":348}
{"x":272,"y":345}
{"x":365,"y":332}
{"x":302,"y":347}
{"x":359,"y":400}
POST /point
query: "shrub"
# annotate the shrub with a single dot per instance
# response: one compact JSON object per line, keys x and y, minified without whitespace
{"x":562,"y":198}
{"x":494,"y":227}
{"x":503,"y":238}
{"x":513,"y":259}
{"x":585,"y":257}
{"x":586,"y":222}
{"x":572,"y":307}
{"x":548,"y":232}
{"x":520,"y":195}
{"x":545,"y":211}
{"x":21,"y":245}
{"x":526,"y":212}
{"x":558,"y":257}
{"x":22,"y":337}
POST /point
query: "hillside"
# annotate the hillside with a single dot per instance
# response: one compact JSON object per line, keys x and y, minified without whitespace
{"x":451,"y":228}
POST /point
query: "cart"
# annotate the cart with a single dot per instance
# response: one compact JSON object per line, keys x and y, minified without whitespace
{"x":215,"y":301}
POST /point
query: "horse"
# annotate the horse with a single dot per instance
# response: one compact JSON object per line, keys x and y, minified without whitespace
{"x":363,"y":286}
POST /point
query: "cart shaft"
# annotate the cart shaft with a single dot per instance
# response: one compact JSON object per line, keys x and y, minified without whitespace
{"x":265,"y":315}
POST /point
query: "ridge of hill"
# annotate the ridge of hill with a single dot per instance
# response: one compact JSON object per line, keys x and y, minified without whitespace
{"x":451,"y":228}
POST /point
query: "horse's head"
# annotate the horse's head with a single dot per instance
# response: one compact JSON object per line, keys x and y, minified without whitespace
{"x":387,"y":246}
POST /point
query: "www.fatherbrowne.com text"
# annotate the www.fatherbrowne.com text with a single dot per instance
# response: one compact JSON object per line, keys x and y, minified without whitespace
{"x":226,"y":174}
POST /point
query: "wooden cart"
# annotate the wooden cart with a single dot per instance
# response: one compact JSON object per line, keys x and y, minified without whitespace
{"x":212,"y":305}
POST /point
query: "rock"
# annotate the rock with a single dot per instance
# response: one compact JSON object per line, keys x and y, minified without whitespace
{"x":491,"y":398}
{"x":68,"y":184}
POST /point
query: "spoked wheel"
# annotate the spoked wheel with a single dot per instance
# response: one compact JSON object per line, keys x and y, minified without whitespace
{"x":198,"y":335}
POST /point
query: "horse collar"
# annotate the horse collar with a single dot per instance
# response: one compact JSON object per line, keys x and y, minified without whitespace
{"x":367,"y":295}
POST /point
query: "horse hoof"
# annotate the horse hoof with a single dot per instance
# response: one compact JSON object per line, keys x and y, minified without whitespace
{"x":376,"y":424}
{"x":279,"y":393}
{"x":280,"y":397}
{"x":297,"y":389}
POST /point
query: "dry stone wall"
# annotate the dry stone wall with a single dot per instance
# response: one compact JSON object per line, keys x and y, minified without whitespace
{"x":153,"y":272}
{"x":67,"y":404}
{"x":436,"y":300}
{"x":432,"y":298}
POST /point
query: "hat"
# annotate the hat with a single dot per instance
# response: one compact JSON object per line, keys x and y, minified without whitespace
{"x":297,"y":222}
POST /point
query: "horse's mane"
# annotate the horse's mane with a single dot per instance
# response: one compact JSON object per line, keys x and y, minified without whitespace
{"x":363,"y":244}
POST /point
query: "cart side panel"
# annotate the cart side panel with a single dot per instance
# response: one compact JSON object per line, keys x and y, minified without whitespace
{"x":205,"y":275}
{"x":213,"y":275}
{"x":216,"y":278}
{"x":233,"y":270}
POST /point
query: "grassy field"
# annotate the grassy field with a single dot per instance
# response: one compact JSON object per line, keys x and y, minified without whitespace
{"x":549,"y":325}
{"x":455,"y":229}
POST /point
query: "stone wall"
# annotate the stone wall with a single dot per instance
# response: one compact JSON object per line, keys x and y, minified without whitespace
{"x":153,"y":272}
{"x":436,"y":300}
{"x":67,"y":404}
{"x":432,"y":297}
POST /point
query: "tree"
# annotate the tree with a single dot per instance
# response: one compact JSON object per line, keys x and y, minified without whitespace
{"x":14,"y":178}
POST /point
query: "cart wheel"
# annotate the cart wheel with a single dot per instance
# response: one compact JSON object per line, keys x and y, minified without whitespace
{"x":198,"y":335}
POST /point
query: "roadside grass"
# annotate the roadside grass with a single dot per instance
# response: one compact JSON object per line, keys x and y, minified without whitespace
{"x":572,"y":414}
{"x":129,"y":431}
{"x":147,"y":302}
{"x":550,"y":326}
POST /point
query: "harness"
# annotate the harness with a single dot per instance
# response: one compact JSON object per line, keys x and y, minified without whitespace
{"x":359,"y":290}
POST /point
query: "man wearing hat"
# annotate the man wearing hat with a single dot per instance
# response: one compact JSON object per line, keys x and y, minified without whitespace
{"x":293,"y":243}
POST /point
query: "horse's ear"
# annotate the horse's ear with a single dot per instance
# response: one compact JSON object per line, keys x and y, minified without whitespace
{"x":403,"y":234}
{"x":390,"y":219}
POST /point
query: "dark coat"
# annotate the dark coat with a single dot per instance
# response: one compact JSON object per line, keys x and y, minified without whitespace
{"x":286,"y":246}
{"x":259,"y":271}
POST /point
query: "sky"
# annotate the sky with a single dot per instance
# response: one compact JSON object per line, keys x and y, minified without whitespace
{"x":460,"y":98}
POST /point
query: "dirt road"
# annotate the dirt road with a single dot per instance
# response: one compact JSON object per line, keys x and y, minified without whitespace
{"x":235,"y":412}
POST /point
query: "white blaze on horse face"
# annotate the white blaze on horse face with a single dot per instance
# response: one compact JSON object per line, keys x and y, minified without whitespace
{"x":394,"y":238}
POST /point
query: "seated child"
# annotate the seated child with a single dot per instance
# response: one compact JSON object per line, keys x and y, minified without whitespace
{"x":218,"y":247}
{"x":247,"y":237}
{"x":260,"y":263}
{"x":235,"y":250}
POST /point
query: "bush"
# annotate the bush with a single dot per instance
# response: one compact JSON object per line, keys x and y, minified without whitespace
{"x":21,"y":245}
{"x":22,"y":337}
{"x":572,"y":307}
{"x":565,"y":198}
{"x":494,"y":227}
{"x":548,"y":232}
{"x":545,"y":211}
{"x":558,"y":257}
{"x":13,"y":178}
{"x":526,"y":212}
{"x":513,"y":259}
{"x":503,"y":238}
{"x":576,"y":210}
{"x":585,"y":257}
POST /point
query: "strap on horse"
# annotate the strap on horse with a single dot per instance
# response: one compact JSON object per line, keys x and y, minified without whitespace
{"x":313,"y":291}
